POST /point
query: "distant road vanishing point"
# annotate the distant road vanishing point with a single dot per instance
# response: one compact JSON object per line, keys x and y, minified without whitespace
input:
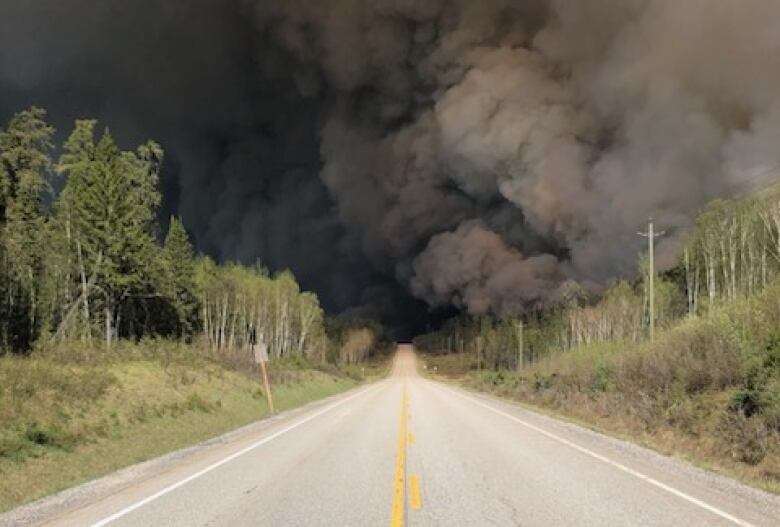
{"x":409,"y":451}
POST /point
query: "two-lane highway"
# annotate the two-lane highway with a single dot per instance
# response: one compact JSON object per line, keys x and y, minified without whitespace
{"x":410,"y":451}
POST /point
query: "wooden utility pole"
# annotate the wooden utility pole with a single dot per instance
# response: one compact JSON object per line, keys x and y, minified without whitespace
{"x":520,"y":356}
{"x":651,"y":235}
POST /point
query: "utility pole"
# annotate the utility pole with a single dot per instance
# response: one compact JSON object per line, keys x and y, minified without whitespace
{"x":478,"y":343}
{"x":520,"y":351}
{"x":651,"y":236}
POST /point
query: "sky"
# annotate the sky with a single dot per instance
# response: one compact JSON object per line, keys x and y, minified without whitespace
{"x":410,"y":159}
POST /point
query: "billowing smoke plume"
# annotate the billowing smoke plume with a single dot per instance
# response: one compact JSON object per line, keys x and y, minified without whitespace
{"x":584,"y":118}
{"x":481,"y":154}
{"x":483,"y":271}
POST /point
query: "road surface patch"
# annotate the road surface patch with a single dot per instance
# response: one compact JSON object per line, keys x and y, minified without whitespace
{"x":414,"y":490}
{"x":399,"y":492}
{"x":223,"y":461}
{"x":680,"y":494}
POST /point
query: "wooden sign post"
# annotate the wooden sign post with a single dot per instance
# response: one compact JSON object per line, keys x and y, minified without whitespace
{"x":260,"y":350}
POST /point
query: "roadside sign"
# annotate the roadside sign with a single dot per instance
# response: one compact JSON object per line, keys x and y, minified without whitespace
{"x":261,"y":352}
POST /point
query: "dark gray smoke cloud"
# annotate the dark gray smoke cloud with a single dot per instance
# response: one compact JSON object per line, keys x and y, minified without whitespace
{"x":476,"y":154}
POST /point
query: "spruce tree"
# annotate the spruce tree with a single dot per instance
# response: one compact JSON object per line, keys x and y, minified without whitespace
{"x":111,"y":198}
{"x":178,"y":263}
{"x":25,"y":166}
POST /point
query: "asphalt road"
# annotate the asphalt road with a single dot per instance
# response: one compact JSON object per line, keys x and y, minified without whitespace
{"x":409,"y":451}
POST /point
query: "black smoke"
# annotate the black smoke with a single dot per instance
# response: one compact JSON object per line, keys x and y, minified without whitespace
{"x":405,"y":154}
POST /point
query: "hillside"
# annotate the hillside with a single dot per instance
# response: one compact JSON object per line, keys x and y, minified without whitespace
{"x":70,"y":418}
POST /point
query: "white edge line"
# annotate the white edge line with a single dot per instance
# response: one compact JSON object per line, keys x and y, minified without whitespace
{"x":648,"y":479}
{"x":202,"y":472}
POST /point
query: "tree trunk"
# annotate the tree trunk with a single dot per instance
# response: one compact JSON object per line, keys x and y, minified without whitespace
{"x":87,"y":333}
{"x":108,"y":315}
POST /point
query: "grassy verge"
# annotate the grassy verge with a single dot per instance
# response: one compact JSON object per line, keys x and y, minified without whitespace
{"x":374,"y":369}
{"x":708,"y":389}
{"x":67,"y":418}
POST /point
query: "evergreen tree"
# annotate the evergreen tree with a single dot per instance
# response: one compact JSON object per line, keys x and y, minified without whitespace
{"x":111,"y":198}
{"x":178,"y":276}
{"x":25,"y":166}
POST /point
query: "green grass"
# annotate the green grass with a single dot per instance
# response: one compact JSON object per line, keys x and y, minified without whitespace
{"x":63,"y":422}
{"x":374,"y":369}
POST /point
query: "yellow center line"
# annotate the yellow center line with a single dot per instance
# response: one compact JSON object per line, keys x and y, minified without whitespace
{"x":414,"y":490}
{"x":399,"y":494}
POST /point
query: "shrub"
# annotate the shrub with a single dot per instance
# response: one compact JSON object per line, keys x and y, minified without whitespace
{"x":746,"y":437}
{"x":604,"y":378}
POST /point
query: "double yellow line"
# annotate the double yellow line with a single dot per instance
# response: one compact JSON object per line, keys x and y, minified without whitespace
{"x":399,"y":493}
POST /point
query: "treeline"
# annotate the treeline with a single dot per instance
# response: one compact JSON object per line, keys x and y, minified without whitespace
{"x":240,"y":305}
{"x":733,"y":252}
{"x":90,"y":263}
{"x":621,"y":315}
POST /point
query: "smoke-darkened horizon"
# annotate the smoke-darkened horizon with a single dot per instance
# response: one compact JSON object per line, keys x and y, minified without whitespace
{"x":398,"y":154}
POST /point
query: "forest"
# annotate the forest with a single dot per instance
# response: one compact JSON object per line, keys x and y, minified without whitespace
{"x":84,"y":259}
{"x":732,"y":253}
